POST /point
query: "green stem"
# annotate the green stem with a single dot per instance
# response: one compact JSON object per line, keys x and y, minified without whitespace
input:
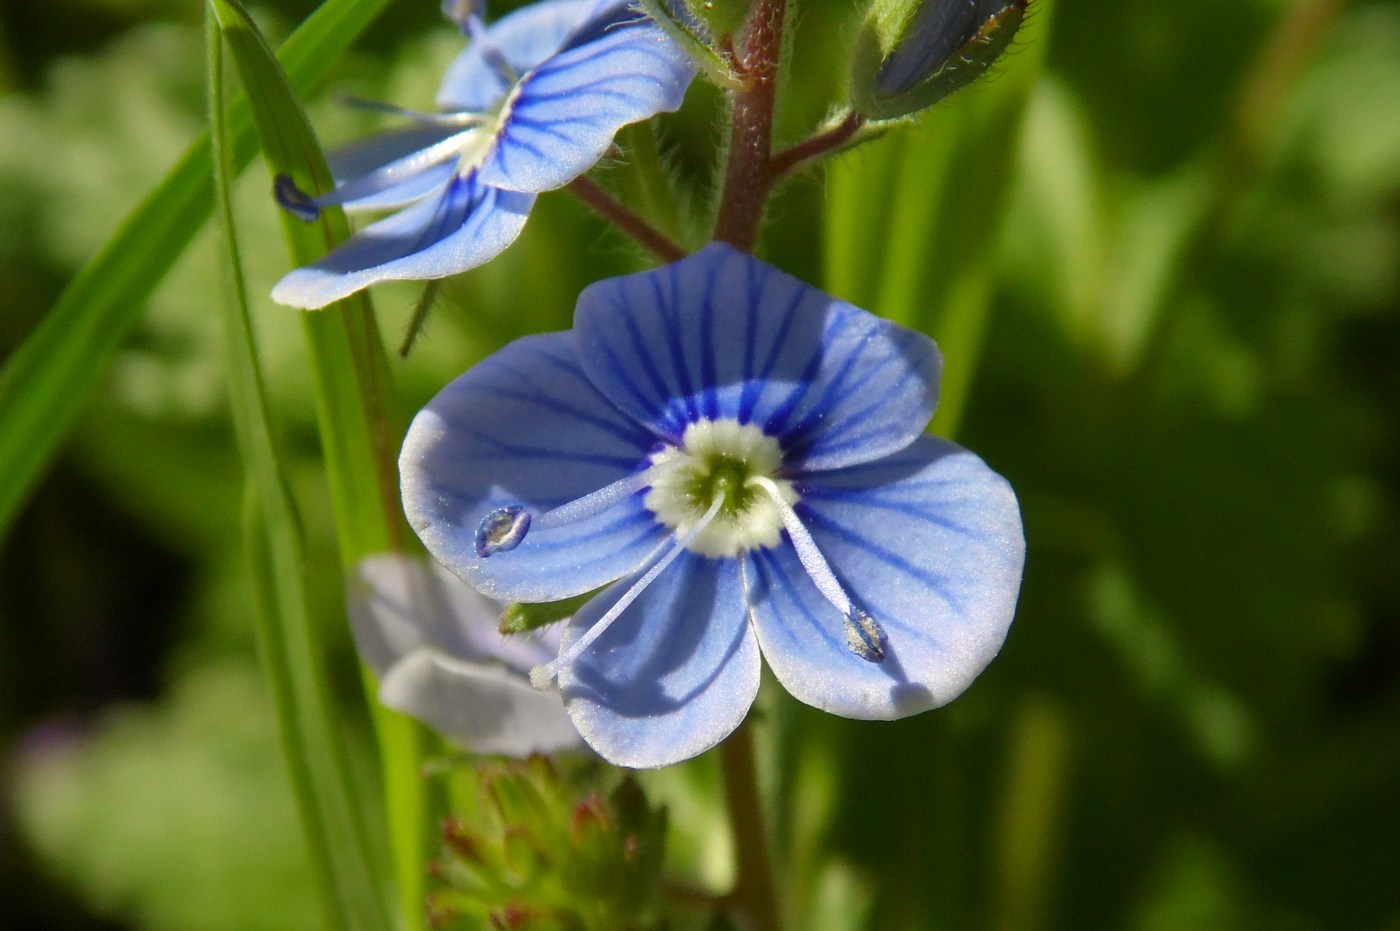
{"x":755,"y":893}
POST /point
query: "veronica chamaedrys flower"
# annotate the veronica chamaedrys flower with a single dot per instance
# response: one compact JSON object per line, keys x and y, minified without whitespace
{"x":533,"y":103}
{"x":432,"y":641}
{"x":741,"y":460}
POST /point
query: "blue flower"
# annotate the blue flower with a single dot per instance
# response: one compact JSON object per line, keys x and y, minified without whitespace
{"x":533,"y":102}
{"x":741,"y":460}
{"x":433,"y":643}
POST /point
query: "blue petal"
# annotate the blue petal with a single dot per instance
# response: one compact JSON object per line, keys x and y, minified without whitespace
{"x":465,"y":226}
{"x":399,"y":605}
{"x":674,"y":675}
{"x":524,"y":38}
{"x":564,"y":114}
{"x":486,"y":709}
{"x":721,"y":334}
{"x":929,"y":542}
{"x":525,"y":427}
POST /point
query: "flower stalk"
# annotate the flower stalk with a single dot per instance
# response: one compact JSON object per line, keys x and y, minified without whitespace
{"x":650,"y":238}
{"x":755,"y":892}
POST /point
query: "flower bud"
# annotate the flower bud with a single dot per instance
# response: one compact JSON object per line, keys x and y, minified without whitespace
{"x":910,"y":55}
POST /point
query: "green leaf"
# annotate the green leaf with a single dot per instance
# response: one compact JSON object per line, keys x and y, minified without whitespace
{"x":360,"y":435}
{"x":341,"y":848}
{"x":45,"y":383}
{"x":522,"y":617}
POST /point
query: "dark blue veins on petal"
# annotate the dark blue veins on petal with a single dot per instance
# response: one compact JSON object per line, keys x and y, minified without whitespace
{"x":666,"y":307}
{"x":938,"y":584}
{"x":816,"y":422}
{"x":912,"y":506}
{"x":779,"y":590}
{"x":777,"y":421}
{"x":669,"y":422}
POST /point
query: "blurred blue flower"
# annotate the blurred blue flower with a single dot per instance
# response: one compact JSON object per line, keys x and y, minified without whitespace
{"x":744,"y":457}
{"x":533,"y":102}
{"x":434,"y":645}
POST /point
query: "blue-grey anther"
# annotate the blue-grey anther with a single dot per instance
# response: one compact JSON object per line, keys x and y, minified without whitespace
{"x":864,"y":637}
{"x":502,"y":530}
{"x":294,"y":200}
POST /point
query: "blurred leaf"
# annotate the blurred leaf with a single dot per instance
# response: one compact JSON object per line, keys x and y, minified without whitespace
{"x":169,"y":815}
{"x":44,"y":383}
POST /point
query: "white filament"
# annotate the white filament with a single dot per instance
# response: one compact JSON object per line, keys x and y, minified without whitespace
{"x":541,"y":677}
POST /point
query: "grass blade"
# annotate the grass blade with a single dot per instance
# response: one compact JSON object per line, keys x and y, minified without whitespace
{"x":341,"y":850}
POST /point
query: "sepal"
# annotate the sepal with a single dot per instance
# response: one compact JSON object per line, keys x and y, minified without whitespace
{"x":693,"y":35}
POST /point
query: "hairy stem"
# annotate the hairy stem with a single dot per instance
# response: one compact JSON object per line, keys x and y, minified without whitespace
{"x":748,"y":176}
{"x":649,"y":236}
{"x":797,"y":157}
{"x":755,"y":893}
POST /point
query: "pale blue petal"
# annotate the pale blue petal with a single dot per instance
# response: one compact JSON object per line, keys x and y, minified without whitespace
{"x":564,"y":114}
{"x":400,"y":604}
{"x":929,"y":542}
{"x":465,"y":226}
{"x":721,"y":334}
{"x":525,"y":427}
{"x":524,"y":38}
{"x":484,"y":708}
{"x":674,"y":675}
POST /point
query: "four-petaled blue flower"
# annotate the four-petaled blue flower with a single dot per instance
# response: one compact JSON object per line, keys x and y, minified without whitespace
{"x":533,"y":102}
{"x":740,"y":459}
{"x":435,"y":647}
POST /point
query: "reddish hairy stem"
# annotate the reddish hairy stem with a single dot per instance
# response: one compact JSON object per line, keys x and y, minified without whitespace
{"x":791,"y":159}
{"x":642,"y":231}
{"x":748,"y":177}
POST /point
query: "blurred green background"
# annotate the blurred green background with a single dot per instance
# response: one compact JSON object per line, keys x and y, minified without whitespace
{"x":1190,"y":372}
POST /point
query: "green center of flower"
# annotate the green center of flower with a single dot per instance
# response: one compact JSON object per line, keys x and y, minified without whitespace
{"x":720,"y":461}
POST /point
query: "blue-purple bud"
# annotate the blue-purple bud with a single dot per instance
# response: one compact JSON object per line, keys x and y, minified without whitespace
{"x":909,"y":55}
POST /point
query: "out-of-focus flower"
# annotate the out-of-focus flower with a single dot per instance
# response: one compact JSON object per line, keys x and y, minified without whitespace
{"x":910,"y":54}
{"x":433,"y":642}
{"x":746,"y":455}
{"x":533,"y":102}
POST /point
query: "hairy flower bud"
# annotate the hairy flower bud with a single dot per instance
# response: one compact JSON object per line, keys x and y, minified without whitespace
{"x":909,"y":55}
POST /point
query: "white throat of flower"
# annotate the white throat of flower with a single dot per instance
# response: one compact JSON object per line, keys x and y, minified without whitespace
{"x":722,"y":493}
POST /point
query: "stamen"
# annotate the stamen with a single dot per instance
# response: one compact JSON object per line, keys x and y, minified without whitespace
{"x":502,"y":530}
{"x":451,"y":118}
{"x":386,"y":176}
{"x":542,"y":677}
{"x":305,"y":207}
{"x":594,"y":502}
{"x":864,"y":637}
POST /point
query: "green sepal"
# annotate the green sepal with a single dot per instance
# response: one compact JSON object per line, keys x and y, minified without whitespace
{"x":523,"y":617}
{"x":894,"y":27}
{"x":721,"y":17}
{"x":691,"y":35}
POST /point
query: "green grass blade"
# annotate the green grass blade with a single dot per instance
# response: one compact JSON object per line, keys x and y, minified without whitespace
{"x":360,"y":432}
{"x":341,"y":849}
{"x":45,"y":383}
